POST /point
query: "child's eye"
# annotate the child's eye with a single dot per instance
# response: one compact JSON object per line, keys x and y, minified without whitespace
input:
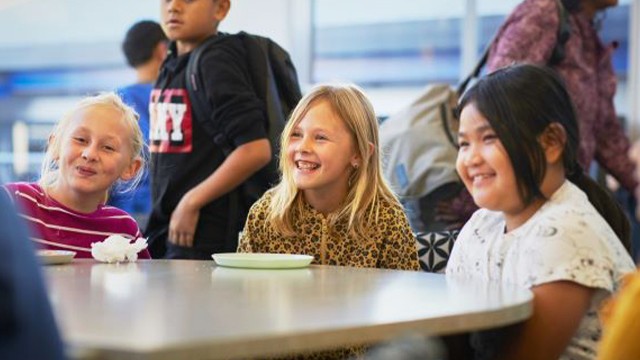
{"x":462,"y":144}
{"x":79,"y":139}
{"x":321,"y":137}
{"x":296,"y":134}
{"x":109,"y":148}
{"x":489,"y":138}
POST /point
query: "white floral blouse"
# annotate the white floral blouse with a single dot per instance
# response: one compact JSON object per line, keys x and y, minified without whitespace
{"x":566,"y":239}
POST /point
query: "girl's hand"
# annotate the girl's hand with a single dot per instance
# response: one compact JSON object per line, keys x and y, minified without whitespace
{"x":182,"y":225}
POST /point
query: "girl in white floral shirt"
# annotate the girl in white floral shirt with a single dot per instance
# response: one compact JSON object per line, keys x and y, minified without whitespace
{"x":537,"y":226}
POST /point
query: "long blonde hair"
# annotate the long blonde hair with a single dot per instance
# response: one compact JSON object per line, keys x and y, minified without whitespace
{"x":367,"y":185}
{"x":50,"y":171}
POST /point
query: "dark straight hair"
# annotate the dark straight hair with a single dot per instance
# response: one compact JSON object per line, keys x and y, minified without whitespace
{"x":520,"y":102}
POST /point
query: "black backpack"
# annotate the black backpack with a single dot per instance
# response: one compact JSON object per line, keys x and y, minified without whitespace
{"x":275,"y":82}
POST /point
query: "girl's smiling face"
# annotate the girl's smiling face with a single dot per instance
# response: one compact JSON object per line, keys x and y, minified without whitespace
{"x":322,"y":153}
{"x":484,"y":165}
{"x":95,"y":151}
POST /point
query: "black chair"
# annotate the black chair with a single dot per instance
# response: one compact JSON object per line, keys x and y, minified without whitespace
{"x":434,"y":249}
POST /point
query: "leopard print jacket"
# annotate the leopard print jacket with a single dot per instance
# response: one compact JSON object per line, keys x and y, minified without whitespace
{"x":391,"y":245}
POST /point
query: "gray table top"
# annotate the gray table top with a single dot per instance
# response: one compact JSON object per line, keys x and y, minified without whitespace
{"x":168,"y":309}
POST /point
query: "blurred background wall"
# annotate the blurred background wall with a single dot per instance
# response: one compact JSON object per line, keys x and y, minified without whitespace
{"x":53,"y":52}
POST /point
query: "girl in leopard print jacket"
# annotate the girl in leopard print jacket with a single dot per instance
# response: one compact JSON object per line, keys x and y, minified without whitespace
{"x":332,"y":202}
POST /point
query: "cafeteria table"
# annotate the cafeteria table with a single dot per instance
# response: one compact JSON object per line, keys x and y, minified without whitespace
{"x":174,"y":309}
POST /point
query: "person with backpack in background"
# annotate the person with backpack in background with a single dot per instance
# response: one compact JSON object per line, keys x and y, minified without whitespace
{"x":144,"y":47}
{"x":530,"y":34}
{"x":191,"y":175}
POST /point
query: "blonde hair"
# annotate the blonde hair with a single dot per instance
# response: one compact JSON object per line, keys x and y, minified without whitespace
{"x":367,"y":185}
{"x":50,"y":171}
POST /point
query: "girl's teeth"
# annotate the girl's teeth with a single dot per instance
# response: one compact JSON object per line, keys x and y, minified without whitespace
{"x":306,"y":165}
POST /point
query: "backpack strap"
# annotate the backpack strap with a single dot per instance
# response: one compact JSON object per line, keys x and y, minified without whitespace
{"x":198,"y":97}
{"x":563,"y":33}
{"x":557,"y":55}
{"x":285,"y":76}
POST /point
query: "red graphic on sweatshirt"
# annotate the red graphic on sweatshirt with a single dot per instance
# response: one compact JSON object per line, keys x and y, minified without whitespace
{"x":171,"y":122}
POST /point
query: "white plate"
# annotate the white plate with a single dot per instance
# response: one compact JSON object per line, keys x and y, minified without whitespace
{"x":54,"y":257}
{"x":262,"y":261}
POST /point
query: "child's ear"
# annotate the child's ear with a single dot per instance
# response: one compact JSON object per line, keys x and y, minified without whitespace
{"x":357,"y":160}
{"x":372,"y":149}
{"x":553,"y":140}
{"x":50,"y":141}
{"x":131,"y":170}
{"x":222,"y":9}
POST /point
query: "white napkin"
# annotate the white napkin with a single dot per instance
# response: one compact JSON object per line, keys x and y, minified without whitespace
{"x":117,"y":248}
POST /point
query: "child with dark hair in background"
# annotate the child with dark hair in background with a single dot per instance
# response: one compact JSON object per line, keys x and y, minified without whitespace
{"x":144,"y":47}
{"x":192,"y":177}
{"x":542,"y":224}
